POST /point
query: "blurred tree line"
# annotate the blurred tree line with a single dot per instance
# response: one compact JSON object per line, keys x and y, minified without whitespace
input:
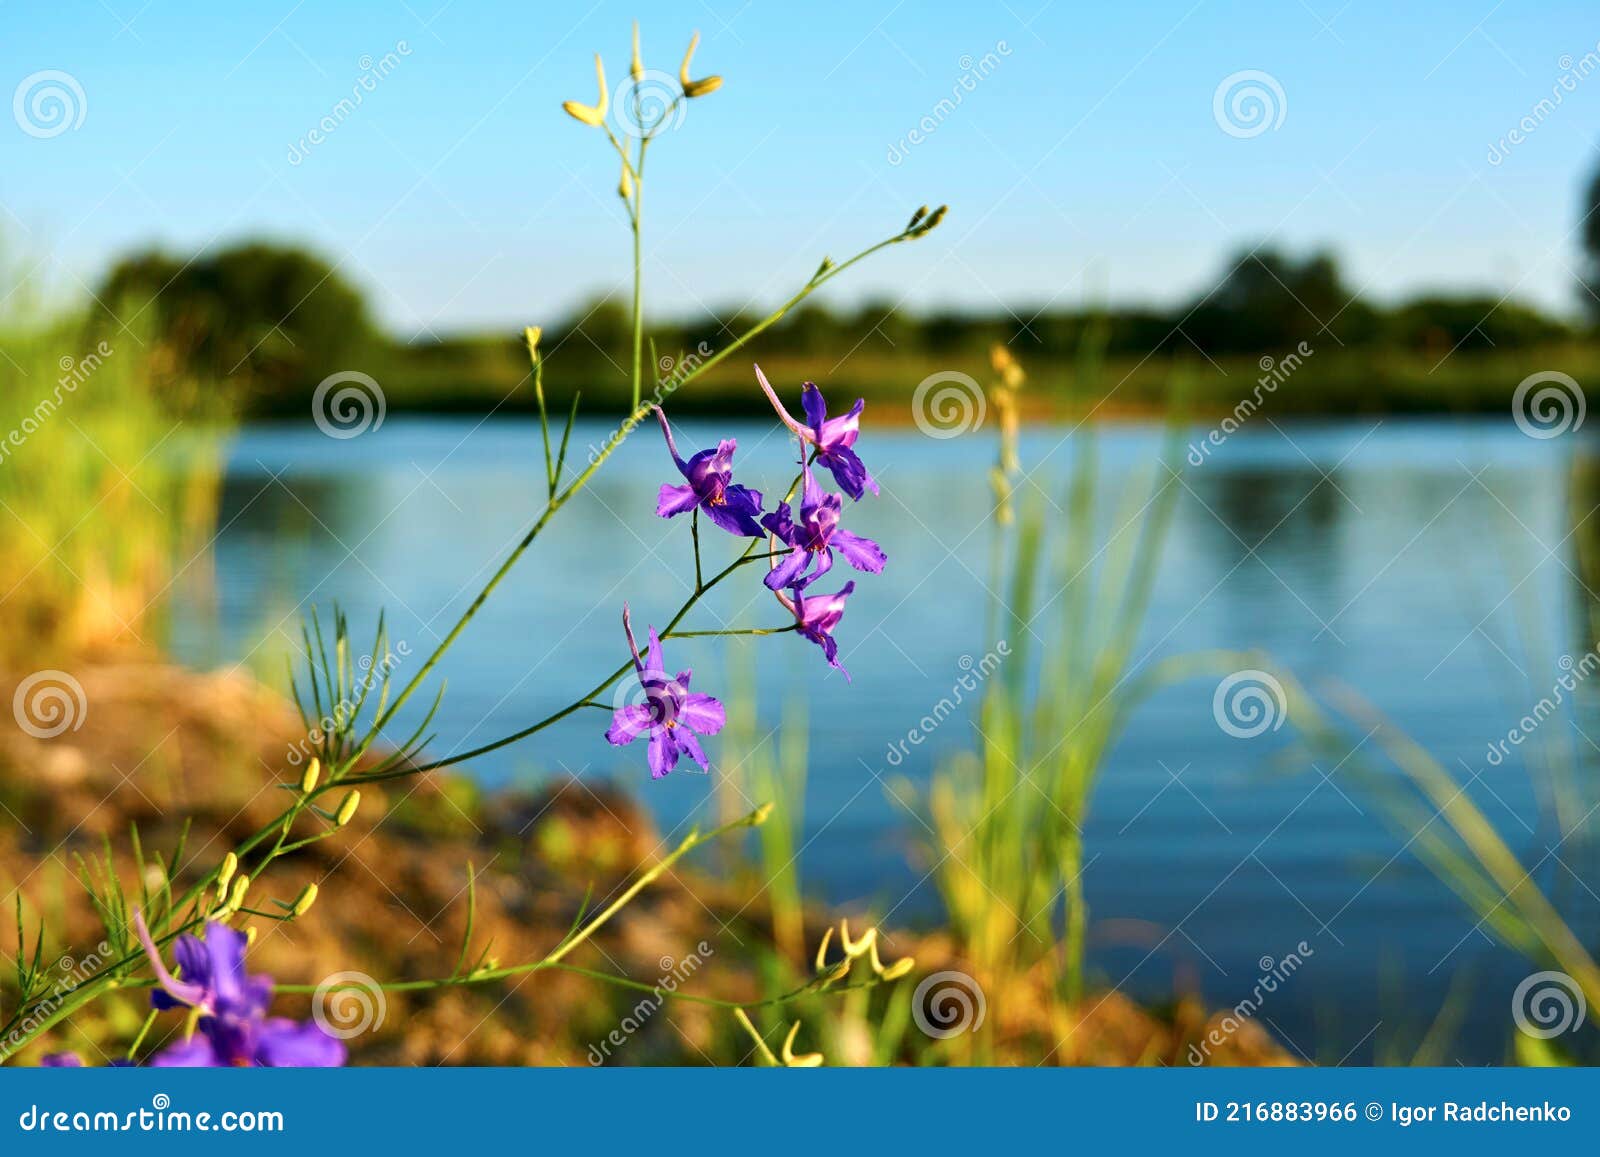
{"x":274,"y":320}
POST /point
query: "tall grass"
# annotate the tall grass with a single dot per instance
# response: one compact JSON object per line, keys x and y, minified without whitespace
{"x":108,"y":485}
{"x":1009,"y":816}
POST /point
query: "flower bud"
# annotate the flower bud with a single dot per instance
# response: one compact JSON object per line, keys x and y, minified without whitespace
{"x":241,"y":885}
{"x":625,"y":186}
{"x":250,"y":936}
{"x":636,"y":70}
{"x":307,"y":898}
{"x":694,"y":88}
{"x":347,"y":809}
{"x":230,"y":865}
{"x":531,"y":335}
{"x":308,"y":781}
{"x":592,"y":114}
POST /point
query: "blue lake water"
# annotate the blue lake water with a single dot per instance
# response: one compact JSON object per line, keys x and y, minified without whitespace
{"x":1429,"y":565}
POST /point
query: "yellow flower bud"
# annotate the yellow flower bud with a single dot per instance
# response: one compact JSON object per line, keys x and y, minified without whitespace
{"x":347,"y":809}
{"x":625,"y":186}
{"x":592,"y":114}
{"x":307,"y":898}
{"x":241,"y":885}
{"x":637,"y":69}
{"x":899,"y":968}
{"x":308,"y":781}
{"x":250,"y":936}
{"x":805,"y":1060}
{"x":230,"y":865}
{"x":694,"y":88}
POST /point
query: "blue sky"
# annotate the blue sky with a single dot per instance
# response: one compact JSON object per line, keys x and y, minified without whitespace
{"x":1088,"y":164}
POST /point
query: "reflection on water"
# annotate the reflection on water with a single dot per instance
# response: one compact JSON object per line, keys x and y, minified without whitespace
{"x":1376,"y":556}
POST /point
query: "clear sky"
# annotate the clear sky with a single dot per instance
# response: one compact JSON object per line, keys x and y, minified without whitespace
{"x":1088,"y":164}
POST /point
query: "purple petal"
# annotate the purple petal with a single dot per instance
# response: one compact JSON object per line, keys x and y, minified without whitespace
{"x":815,"y":406}
{"x":824,"y":559}
{"x":194,"y":1053}
{"x":61,"y":1061}
{"x":848,"y":471}
{"x":736,"y":522}
{"x":674,"y":500}
{"x":840,"y":433}
{"x":787,"y":570}
{"x":654,"y":669}
{"x":628,"y":724}
{"x":861,"y":553}
{"x":233,"y":991}
{"x":702,"y":713}
{"x":285,"y":1044}
{"x":690,"y":746}
{"x":743,"y":498}
{"x":663,"y":753}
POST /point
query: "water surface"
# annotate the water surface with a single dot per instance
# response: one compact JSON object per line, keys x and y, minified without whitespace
{"x":1431,"y":565}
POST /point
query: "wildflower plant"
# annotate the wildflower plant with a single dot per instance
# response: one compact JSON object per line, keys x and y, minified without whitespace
{"x":206,"y":927}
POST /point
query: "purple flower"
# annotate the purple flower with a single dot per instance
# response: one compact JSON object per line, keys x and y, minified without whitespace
{"x":814,"y":537}
{"x":832,"y":437}
{"x":670,"y":714}
{"x":61,"y":1061}
{"x":816,"y":616}
{"x":710,"y":487}
{"x":234,"y":1028}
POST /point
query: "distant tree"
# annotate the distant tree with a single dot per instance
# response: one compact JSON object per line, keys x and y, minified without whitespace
{"x":1589,"y":283}
{"x":1269,"y":301}
{"x":270,"y":320}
